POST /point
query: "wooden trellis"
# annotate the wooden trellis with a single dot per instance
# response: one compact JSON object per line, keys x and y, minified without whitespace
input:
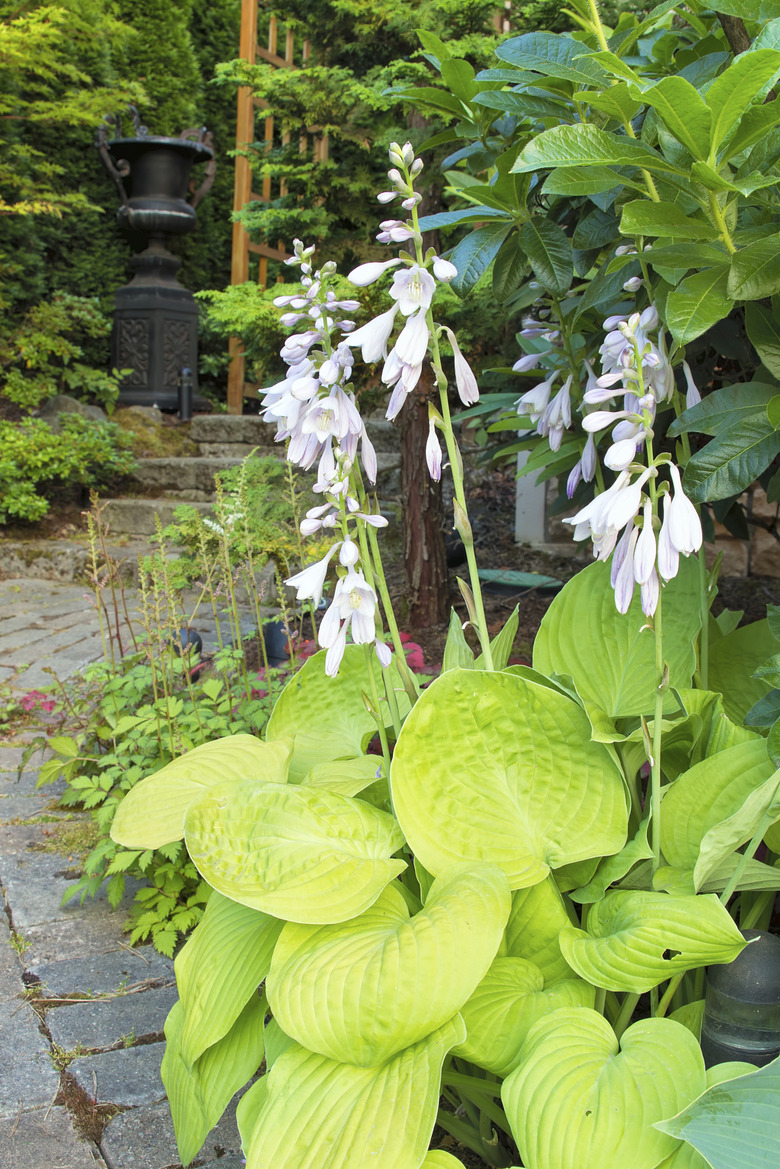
{"x":248,"y":107}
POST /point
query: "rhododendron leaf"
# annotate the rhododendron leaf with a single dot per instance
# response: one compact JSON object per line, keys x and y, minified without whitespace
{"x":630,"y":932}
{"x":620,"y":679}
{"x":348,"y":776}
{"x":736,"y":1123}
{"x":578,"y":1100}
{"x":326,"y":717}
{"x":302,"y":854}
{"x":198,"y":1095}
{"x":537,"y":917}
{"x":338,"y":1116}
{"x":219,"y":970}
{"x":715,"y":806}
{"x":492,"y":767}
{"x":510,"y":999}
{"x":152,"y":812}
{"x":360,"y":991}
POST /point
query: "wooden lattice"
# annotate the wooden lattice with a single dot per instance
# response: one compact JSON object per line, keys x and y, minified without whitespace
{"x":248,"y":108}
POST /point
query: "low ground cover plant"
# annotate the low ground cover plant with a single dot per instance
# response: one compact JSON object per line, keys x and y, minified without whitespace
{"x":501,"y":922}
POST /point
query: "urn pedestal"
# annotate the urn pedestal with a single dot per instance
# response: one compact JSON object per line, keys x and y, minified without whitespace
{"x":155,"y":333}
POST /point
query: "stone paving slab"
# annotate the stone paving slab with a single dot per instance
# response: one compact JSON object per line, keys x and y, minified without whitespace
{"x":10,"y":967}
{"x":11,"y":757}
{"x":46,"y":1140}
{"x":28,"y":1074}
{"x":81,"y":935}
{"x":26,"y":784}
{"x":129,"y":1077}
{"x":106,"y":973}
{"x":35,"y":883}
{"x":101,"y":1023}
{"x":143,"y":1138}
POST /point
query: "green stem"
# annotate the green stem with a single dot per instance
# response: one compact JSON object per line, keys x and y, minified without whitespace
{"x":655,"y":762}
{"x":668,"y":995}
{"x":720,"y":221}
{"x":380,"y":722}
{"x":704,"y":635}
{"x":626,"y":1011}
{"x":411,"y":685}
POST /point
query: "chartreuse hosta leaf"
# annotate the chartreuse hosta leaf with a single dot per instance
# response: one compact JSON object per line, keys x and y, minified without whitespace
{"x":492,"y":767}
{"x":302,"y":854}
{"x":611,"y":657}
{"x":348,"y":776}
{"x":317,"y":1112}
{"x":152,"y":812}
{"x":536,"y":919}
{"x":326,"y":717}
{"x":220,"y":969}
{"x":629,"y":932}
{"x":360,"y":991}
{"x":199,"y":1094}
{"x":736,"y":1123}
{"x":578,"y":1100}
{"x":733,"y":661}
{"x":510,"y":999}
{"x":441,"y":1159}
{"x":716,"y":806}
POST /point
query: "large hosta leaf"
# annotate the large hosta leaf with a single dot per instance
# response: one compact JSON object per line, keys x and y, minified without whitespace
{"x":715,"y":806}
{"x":686,"y":1157}
{"x":537,"y":917}
{"x":219,"y":970}
{"x":611,"y":657}
{"x":152,"y":812}
{"x":629,"y":932}
{"x":580,"y":1101}
{"x":199,"y":1094}
{"x":733,"y":660}
{"x":302,"y":854}
{"x":326,"y":717}
{"x":360,"y":991}
{"x":319,"y":1114}
{"x":506,"y":1004}
{"x":736,"y":1124}
{"x":492,"y":767}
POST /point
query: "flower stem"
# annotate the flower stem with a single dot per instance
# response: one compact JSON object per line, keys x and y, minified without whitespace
{"x":655,"y":762}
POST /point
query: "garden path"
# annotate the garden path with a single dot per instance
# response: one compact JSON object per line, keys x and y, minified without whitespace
{"x":81,"y":1014}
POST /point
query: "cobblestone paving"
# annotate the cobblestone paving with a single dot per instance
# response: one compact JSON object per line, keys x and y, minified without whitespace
{"x":81,"y":1014}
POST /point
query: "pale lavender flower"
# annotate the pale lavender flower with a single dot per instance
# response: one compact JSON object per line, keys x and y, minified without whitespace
{"x":650,"y":591}
{"x":374,"y":335}
{"x":352,"y":609}
{"x":668,"y":556}
{"x":310,"y":582}
{"x":444,"y":270}
{"x":557,"y":416}
{"x":527,"y":362}
{"x":433,"y":451}
{"x":413,"y":288}
{"x":465,"y":381}
{"x":534,"y":401}
{"x":684,"y":524}
{"x":692,"y":396}
{"x":624,"y":578}
{"x":644,"y":555}
{"x":366,"y":274}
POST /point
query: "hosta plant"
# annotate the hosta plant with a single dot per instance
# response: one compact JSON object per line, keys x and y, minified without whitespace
{"x":488,"y":905}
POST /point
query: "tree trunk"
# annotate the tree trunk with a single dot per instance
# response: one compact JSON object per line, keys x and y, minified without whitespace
{"x":423,"y":514}
{"x":736,"y":33}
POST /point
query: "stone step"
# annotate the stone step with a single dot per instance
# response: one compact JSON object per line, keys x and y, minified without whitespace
{"x":214,"y":433}
{"x":138,"y":517}
{"x":66,"y":560}
{"x":182,"y":476}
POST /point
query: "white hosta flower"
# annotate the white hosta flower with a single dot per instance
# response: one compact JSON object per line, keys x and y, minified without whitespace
{"x":684,"y":524}
{"x":650,"y":590}
{"x":373,"y":336}
{"x":624,"y":581}
{"x":412,"y":343}
{"x":534,"y":401}
{"x":366,"y":274}
{"x":644,"y":555}
{"x":668,"y":556}
{"x":352,"y":609}
{"x":692,"y":396}
{"x":349,"y":553}
{"x":368,"y":456}
{"x":433,"y":452}
{"x":310,"y":582}
{"x":444,"y":270}
{"x":557,"y":416}
{"x":526,"y":362}
{"x":465,"y":381}
{"x":589,"y":459}
{"x":413,"y":288}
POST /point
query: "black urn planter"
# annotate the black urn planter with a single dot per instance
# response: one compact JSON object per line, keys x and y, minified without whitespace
{"x":155,"y":333}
